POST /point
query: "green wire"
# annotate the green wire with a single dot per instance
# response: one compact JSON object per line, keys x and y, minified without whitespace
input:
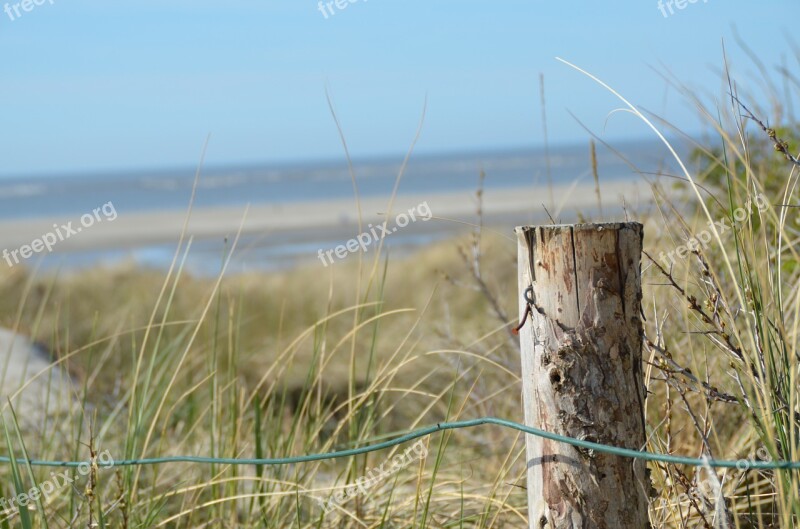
{"x":422,"y":432}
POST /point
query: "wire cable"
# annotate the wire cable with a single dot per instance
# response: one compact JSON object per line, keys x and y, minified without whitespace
{"x":742,"y":464}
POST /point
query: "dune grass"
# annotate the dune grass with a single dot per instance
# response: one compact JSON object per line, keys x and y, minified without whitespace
{"x":269,"y":373}
{"x":316,"y":359}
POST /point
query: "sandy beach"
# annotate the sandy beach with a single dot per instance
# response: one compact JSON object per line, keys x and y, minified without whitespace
{"x":139,"y":228}
{"x":325,"y":220}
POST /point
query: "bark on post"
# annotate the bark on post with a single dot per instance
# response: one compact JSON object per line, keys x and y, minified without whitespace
{"x":582,"y":373}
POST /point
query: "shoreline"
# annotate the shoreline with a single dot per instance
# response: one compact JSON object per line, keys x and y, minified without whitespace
{"x":325,"y":223}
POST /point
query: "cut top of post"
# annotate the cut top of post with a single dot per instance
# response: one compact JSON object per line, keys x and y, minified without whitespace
{"x":578,"y":262}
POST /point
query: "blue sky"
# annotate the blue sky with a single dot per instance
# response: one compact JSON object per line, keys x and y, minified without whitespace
{"x":92,"y":86}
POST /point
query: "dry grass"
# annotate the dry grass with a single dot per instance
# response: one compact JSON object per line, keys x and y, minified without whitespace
{"x":313,"y":359}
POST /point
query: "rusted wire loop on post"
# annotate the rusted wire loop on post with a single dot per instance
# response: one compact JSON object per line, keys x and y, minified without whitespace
{"x":529,"y":303}
{"x":528,"y":295}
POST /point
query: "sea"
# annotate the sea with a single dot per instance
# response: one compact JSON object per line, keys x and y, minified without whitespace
{"x":70,"y":195}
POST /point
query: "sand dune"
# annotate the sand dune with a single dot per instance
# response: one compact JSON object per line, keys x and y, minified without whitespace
{"x":38,"y":389}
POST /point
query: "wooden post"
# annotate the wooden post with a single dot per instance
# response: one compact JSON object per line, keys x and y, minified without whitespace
{"x":582,"y":373}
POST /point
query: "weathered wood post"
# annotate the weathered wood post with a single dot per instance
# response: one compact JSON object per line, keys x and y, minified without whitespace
{"x":582,"y":373}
